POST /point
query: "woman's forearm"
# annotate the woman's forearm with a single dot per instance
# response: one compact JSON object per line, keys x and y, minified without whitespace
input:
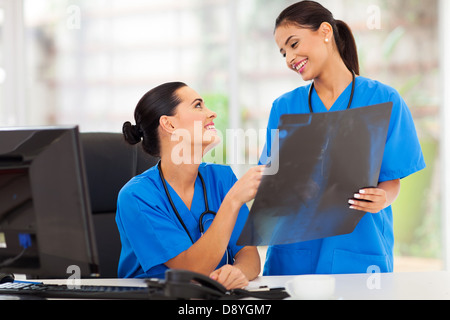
{"x":248,"y":261}
{"x":392,"y":189}
{"x":205,"y":254}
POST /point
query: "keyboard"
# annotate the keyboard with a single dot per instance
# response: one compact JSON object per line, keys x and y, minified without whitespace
{"x":80,"y":292}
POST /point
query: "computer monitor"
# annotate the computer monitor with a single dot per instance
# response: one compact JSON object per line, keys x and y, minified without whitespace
{"x":46,"y":228}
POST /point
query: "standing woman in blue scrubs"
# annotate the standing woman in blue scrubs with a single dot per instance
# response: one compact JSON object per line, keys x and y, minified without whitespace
{"x":321,"y":49}
{"x":181,"y":213}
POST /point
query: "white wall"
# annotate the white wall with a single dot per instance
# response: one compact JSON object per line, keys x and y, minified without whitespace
{"x":12,"y":101}
{"x":444,"y":21}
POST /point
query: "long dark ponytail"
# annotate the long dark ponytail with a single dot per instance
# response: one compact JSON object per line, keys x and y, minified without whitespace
{"x":311,"y":15}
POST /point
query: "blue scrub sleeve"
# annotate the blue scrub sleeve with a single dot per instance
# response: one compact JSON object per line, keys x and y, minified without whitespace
{"x":403,"y":153}
{"x":153,"y":235}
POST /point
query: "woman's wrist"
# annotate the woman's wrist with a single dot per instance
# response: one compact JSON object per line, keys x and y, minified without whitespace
{"x":232,"y":200}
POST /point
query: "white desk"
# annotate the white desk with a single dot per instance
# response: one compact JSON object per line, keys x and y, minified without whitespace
{"x":388,"y":286}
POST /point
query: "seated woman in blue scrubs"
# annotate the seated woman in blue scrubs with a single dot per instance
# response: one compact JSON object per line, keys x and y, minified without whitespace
{"x":319,"y":48}
{"x":160,"y":212}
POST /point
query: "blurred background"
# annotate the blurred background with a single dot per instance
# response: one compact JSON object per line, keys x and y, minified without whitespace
{"x":88,"y":62}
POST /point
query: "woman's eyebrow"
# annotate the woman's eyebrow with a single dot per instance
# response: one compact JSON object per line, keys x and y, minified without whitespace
{"x":286,"y":43}
{"x":288,"y":39}
{"x":197,"y":100}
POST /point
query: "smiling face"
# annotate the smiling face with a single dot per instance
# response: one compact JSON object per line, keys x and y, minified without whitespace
{"x":193,"y":109}
{"x":193,"y":122}
{"x":306,"y":51}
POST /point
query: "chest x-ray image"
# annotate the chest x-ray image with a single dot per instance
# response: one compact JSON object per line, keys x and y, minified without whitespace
{"x":323,"y":158}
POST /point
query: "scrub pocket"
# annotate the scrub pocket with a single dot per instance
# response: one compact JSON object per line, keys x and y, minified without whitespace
{"x":284,"y":260}
{"x":350,"y":262}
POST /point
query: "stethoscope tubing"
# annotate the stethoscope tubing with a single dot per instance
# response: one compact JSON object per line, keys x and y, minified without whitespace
{"x":207,"y":211}
{"x":351,"y":95}
{"x":205,"y":196}
{"x":163,"y":180}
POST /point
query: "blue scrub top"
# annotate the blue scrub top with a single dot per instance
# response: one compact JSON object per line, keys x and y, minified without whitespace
{"x":149,"y":229}
{"x":371,"y":243}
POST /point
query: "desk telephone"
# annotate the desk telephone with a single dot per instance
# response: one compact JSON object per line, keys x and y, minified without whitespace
{"x":182,"y":284}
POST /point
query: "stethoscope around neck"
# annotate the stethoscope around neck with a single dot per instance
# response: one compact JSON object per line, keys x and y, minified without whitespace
{"x":205,"y":196}
{"x":351,"y":95}
{"x":200,"y":220}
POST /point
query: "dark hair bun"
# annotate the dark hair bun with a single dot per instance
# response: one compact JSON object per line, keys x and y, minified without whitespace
{"x":131,"y":133}
{"x":159,"y":101}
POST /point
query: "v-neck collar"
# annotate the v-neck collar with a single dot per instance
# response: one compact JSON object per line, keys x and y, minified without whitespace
{"x":197,"y":197}
{"x":340,"y":104}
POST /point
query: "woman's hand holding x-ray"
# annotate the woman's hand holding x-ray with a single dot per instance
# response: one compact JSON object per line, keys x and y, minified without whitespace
{"x":374,"y":200}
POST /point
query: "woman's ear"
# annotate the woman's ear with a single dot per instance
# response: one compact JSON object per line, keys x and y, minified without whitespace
{"x":326,"y":30}
{"x":166,"y":124}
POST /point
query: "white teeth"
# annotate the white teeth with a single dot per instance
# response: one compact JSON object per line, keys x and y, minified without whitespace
{"x":210,"y":127}
{"x":301,"y":65}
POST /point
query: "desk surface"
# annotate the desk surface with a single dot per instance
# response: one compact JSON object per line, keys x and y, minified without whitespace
{"x":385,"y":286}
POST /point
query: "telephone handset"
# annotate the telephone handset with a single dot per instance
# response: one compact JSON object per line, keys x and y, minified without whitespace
{"x":183,"y":284}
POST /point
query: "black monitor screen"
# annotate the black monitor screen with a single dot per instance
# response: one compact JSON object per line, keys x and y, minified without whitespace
{"x":45,"y":219}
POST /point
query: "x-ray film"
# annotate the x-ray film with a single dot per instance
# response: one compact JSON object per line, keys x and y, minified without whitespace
{"x":323,"y":160}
